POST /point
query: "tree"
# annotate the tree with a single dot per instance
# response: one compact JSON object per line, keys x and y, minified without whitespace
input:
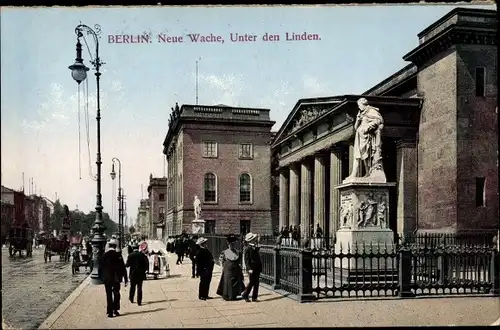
{"x":80,"y":221}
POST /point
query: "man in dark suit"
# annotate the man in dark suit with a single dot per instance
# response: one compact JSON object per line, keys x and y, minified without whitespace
{"x":253,"y":268}
{"x":112,"y":270}
{"x":192,"y":250}
{"x":204,"y":268}
{"x":139,"y":264}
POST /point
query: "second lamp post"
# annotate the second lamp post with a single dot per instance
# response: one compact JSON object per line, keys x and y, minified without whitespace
{"x":120,"y":198}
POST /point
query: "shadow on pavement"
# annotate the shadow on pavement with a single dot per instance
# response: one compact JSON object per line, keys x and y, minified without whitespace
{"x":144,"y":311}
{"x":159,"y":301}
{"x":275,"y":298}
{"x":174,"y":276}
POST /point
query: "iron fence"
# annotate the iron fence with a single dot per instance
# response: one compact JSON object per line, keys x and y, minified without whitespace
{"x":416,"y":265}
{"x":358,"y":271}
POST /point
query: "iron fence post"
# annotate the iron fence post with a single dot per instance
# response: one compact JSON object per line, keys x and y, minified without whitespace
{"x":305,"y":280}
{"x":277,"y":268}
{"x":404,"y":277}
{"x":495,"y":272}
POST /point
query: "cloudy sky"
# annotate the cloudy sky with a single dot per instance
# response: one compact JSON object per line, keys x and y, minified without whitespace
{"x":45,"y":119}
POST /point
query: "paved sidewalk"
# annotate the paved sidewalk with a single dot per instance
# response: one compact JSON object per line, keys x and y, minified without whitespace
{"x":174,"y":303}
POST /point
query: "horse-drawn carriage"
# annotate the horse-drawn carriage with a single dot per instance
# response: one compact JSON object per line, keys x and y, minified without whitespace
{"x":57,"y":246}
{"x":21,"y":238}
{"x":81,"y":255}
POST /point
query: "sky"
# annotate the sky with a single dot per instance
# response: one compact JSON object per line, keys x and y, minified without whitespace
{"x":48,"y":122}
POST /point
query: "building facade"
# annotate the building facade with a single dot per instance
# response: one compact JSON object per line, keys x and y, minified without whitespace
{"x":222,"y":155}
{"x":440,"y":137}
{"x":143,"y":224}
{"x":157,"y":197}
{"x":17,"y":199}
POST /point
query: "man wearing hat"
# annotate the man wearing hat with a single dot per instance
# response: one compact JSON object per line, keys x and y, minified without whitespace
{"x":112,"y":270}
{"x":253,"y":266}
{"x":192,"y":250}
{"x":204,"y":268}
{"x":139,"y":265}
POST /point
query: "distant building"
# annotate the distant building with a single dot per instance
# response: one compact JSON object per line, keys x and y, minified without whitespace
{"x":16,"y":198}
{"x":222,"y":155}
{"x":157,"y":197}
{"x":143,"y":223}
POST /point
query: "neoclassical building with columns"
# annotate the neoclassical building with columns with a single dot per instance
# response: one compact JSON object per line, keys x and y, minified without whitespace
{"x":439,"y":142}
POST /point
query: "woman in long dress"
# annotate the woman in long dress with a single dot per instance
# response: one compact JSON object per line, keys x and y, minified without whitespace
{"x":231,"y":281}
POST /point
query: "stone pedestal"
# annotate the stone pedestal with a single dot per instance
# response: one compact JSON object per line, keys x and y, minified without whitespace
{"x":363,"y":223}
{"x":198,"y":226}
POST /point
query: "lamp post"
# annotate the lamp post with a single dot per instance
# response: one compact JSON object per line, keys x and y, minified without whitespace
{"x":120,"y":198}
{"x":79,"y":73}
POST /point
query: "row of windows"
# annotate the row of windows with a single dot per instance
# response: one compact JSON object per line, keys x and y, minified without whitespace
{"x":210,"y":150}
{"x":211,"y":227}
{"x":210,"y":188}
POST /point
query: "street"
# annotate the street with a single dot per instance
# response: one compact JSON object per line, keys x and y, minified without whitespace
{"x":32,"y":289}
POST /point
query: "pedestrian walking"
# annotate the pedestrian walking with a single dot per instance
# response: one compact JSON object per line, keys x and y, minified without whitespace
{"x":139,"y":265}
{"x":253,"y":267}
{"x":179,"y":250}
{"x":231,"y":281}
{"x":192,"y":250}
{"x":112,"y":271}
{"x":204,"y":268}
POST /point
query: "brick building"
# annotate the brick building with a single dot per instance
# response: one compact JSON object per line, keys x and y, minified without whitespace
{"x":222,"y":155}
{"x":17,"y":199}
{"x":157,"y":199}
{"x":440,"y":138}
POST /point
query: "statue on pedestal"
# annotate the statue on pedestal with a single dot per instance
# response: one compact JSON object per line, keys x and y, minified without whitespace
{"x":197,"y":208}
{"x":367,"y":162}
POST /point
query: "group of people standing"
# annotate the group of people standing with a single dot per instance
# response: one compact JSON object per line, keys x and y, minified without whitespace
{"x":231,"y":284}
{"x":112,"y":269}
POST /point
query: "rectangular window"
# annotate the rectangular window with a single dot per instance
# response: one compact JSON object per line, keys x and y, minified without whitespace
{"x":209,"y":226}
{"x":209,"y":149}
{"x":246,"y":151}
{"x":210,"y":188}
{"x":161,"y":215}
{"x":480,"y":192}
{"x":245,"y":188}
{"x":244,"y":227}
{"x":161,"y":197}
{"x":480,"y":82}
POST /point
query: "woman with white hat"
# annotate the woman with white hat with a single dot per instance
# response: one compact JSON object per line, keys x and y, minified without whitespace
{"x":204,"y":268}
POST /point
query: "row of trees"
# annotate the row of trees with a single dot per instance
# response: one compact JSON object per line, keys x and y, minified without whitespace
{"x":80,"y":222}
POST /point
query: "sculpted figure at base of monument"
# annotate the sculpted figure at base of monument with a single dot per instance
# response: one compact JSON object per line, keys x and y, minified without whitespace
{"x":367,"y":162}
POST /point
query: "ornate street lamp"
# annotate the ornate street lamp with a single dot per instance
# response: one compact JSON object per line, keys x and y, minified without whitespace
{"x":120,"y":198}
{"x":79,"y":73}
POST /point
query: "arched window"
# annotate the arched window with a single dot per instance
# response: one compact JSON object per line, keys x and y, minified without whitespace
{"x":245,"y":188}
{"x":210,"y":188}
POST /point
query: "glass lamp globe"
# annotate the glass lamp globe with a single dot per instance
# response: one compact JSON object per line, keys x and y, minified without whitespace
{"x":78,"y":71}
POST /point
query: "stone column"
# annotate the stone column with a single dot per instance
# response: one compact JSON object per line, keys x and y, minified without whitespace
{"x":406,"y":186}
{"x":351,"y":156}
{"x":305,"y":199}
{"x":284,"y":195}
{"x":294,"y":193}
{"x":335,"y":180}
{"x":319,"y":191}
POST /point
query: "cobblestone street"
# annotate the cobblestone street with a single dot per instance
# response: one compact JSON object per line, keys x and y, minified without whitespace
{"x":32,"y":289}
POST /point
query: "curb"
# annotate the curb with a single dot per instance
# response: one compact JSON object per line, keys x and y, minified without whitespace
{"x":49,"y":321}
